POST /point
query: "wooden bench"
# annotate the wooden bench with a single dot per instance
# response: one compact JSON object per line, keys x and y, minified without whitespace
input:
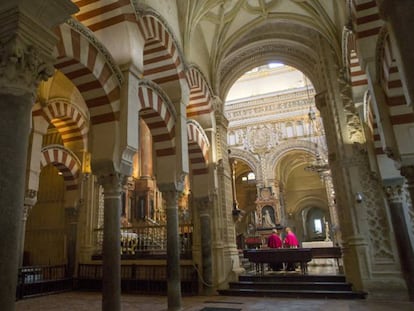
{"x":279,"y":255}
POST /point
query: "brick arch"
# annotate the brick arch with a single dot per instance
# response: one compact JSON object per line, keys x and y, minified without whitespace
{"x":162,"y":60}
{"x":65,"y":162}
{"x":71,"y":123}
{"x":91,"y":69}
{"x":200,"y":94}
{"x":159,"y":114}
{"x":198,"y":146}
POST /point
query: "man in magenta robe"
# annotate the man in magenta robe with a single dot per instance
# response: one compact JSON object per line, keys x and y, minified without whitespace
{"x":290,"y":241}
{"x":274,"y":241}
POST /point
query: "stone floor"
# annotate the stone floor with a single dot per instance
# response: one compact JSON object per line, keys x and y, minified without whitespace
{"x":91,"y":301}
{"x":87,"y":301}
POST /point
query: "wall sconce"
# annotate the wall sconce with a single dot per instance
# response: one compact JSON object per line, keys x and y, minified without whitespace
{"x":358,"y":197}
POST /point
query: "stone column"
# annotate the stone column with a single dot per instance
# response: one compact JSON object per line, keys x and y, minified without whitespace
{"x":145,"y":147}
{"x":30,"y":200}
{"x":26,"y":51}
{"x":400,"y":22}
{"x":370,"y":260}
{"x":111,"y":249}
{"x":170,"y":193}
{"x":203,"y":206}
{"x":226,"y":254}
{"x":401,"y":225}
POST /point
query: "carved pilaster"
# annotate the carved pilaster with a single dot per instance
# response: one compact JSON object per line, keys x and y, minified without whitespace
{"x":353,"y":122}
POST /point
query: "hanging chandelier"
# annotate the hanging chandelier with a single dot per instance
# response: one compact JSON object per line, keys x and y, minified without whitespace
{"x":317,"y":164}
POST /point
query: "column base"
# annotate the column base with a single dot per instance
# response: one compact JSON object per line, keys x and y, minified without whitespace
{"x":386,"y":289}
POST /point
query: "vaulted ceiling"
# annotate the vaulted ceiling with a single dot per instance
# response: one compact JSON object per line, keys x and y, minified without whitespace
{"x":242,"y":34}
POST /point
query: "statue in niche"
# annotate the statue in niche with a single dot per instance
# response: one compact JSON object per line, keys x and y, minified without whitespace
{"x":268,"y":217}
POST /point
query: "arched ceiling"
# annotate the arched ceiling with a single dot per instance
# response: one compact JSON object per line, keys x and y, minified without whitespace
{"x":243,"y":34}
{"x":291,"y":171}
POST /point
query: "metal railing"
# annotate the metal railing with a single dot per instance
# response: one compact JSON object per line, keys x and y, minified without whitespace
{"x":42,"y":280}
{"x":139,"y":278}
{"x":147,"y":240}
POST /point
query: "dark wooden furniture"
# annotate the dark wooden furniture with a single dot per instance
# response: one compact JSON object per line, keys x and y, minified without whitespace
{"x":328,"y":252}
{"x":279,"y":255}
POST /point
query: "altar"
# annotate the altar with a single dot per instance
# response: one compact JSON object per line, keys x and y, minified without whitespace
{"x":320,"y":261}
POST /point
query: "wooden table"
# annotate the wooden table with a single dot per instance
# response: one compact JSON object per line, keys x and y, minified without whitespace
{"x":279,"y":255}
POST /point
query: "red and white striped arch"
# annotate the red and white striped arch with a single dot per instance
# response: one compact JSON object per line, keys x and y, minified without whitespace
{"x":198,"y":146}
{"x":65,"y":162}
{"x":162,"y":62}
{"x":367,"y":21}
{"x":391,"y":83}
{"x":68,"y":120}
{"x":200,"y":95}
{"x":160,"y":118}
{"x":371,"y":121}
{"x":97,"y":15}
{"x":88,"y":69}
{"x":357,"y":74}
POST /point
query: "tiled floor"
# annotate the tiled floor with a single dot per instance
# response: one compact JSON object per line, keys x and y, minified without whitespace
{"x":86,"y":301}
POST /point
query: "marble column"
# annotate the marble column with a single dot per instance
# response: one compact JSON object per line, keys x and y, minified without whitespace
{"x":111,"y":249}
{"x":14,"y":134}
{"x":26,"y":55}
{"x":203,"y":206}
{"x":170,"y":193}
{"x":400,"y":25}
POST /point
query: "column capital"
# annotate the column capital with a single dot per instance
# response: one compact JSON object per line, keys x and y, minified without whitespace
{"x":112,"y":184}
{"x":394,"y":193}
{"x":27,"y":45}
{"x":408,"y":173}
{"x":203,"y":205}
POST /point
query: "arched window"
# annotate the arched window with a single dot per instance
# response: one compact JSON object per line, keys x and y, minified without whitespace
{"x":251,"y":176}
